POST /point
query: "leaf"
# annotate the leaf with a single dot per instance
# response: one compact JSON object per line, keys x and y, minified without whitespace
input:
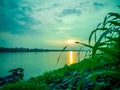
{"x":112,"y":39}
{"x":84,"y":44}
{"x":116,"y":15}
{"x":79,"y":53}
{"x":61,"y":53}
{"x":112,"y":51}
{"x":99,"y":25}
{"x":105,"y":20}
{"x":95,"y":31}
{"x":99,"y":40}
{"x":95,"y":36}
{"x":102,"y":43}
{"x":87,"y":52}
{"x":114,"y":23}
{"x":118,"y":6}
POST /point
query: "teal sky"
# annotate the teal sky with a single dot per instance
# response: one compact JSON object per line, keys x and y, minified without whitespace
{"x":50,"y":23}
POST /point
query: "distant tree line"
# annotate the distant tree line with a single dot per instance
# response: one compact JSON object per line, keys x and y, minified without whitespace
{"x":21,"y":49}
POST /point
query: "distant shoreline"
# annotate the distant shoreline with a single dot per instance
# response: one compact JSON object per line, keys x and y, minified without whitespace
{"x":4,"y":50}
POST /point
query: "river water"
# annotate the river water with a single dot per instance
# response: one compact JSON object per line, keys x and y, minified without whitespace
{"x":36,"y":63}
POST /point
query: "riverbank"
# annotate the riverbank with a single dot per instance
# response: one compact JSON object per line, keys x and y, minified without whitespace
{"x":100,"y":73}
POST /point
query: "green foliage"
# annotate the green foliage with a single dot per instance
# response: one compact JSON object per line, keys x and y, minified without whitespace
{"x":99,"y":87}
{"x":49,"y":77}
{"x":108,"y":43}
{"x":111,"y":31}
{"x":109,"y":38}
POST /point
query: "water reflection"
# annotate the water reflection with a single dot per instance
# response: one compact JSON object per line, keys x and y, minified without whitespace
{"x":71,"y":58}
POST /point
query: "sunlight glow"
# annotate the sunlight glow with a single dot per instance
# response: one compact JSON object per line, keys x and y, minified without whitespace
{"x":71,"y":57}
{"x":70,"y":42}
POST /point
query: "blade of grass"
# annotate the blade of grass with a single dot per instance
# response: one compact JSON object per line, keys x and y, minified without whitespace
{"x":87,"y":53}
{"x":105,"y":20}
{"x":112,"y":39}
{"x":79,"y":53}
{"x":114,"y":23}
{"x":112,"y":51}
{"x":99,"y":40}
{"x":116,"y":15}
{"x":62,"y":52}
{"x":84,"y":44}
{"x":100,"y":29}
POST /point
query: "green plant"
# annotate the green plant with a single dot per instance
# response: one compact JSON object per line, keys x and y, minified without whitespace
{"x":109,"y":40}
{"x":107,"y":43}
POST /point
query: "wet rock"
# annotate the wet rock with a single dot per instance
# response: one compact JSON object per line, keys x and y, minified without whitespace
{"x":71,"y":81}
{"x":100,"y":78}
{"x":87,"y":85}
{"x":87,"y":71}
{"x":52,"y":85}
{"x":63,"y":85}
{"x":66,"y":82}
{"x":58,"y":87}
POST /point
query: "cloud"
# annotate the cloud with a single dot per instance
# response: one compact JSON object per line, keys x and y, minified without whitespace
{"x":67,"y":12}
{"x":50,"y":20}
{"x":55,"y":5}
{"x":98,"y":5}
{"x":15,"y":17}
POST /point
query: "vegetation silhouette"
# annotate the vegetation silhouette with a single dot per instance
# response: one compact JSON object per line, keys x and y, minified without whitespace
{"x":3,"y":49}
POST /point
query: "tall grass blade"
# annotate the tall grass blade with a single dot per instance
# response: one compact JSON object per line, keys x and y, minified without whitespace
{"x":105,"y":20}
{"x":118,"y":6}
{"x":84,"y":44}
{"x":114,"y":23}
{"x":112,"y":39}
{"x":99,"y":40}
{"x":116,"y":15}
{"x":79,"y":53}
{"x":62,"y":52}
{"x":112,"y":51}
{"x":95,"y":36}
{"x":87,"y":53}
{"x":96,"y":32}
{"x":100,"y":29}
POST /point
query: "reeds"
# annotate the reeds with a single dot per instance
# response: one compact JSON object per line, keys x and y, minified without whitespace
{"x":109,"y":40}
{"x":108,"y":43}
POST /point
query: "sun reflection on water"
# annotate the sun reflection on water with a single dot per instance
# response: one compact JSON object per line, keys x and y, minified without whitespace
{"x":71,"y":58}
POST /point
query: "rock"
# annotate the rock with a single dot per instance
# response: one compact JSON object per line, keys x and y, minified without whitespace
{"x":58,"y":81}
{"x":52,"y":85}
{"x":87,"y":85}
{"x":71,"y":81}
{"x":100,"y":78}
{"x":58,"y":87}
{"x":86,"y":72}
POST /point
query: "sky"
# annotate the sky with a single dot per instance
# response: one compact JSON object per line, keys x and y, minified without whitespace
{"x":50,"y":23}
